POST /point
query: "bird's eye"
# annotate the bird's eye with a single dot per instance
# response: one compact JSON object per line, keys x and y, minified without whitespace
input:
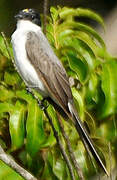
{"x":32,"y":17}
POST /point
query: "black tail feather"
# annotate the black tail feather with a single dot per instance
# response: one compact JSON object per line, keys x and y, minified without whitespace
{"x":85,"y":137}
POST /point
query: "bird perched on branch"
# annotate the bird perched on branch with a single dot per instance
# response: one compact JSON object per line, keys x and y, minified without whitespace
{"x":41,"y":69}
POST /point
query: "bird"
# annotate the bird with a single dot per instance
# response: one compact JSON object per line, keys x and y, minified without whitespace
{"x":42,"y":70}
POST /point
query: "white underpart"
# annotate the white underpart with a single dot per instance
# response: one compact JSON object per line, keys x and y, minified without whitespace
{"x":23,"y":65}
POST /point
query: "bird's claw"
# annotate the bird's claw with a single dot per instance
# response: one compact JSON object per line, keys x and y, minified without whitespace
{"x":42,"y":105}
{"x":28,"y":90}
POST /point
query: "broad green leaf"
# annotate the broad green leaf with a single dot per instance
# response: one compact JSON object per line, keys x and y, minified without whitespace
{"x":80,"y":27}
{"x":85,"y":52}
{"x":88,"y":40}
{"x":65,"y":13}
{"x":90,"y":14}
{"x":59,"y":168}
{"x":48,"y":171}
{"x":54,"y":13}
{"x":23,"y":94}
{"x":81,"y":36}
{"x":12,"y":78}
{"x":34,"y":128}
{"x":80,"y":154}
{"x":5,"y":94}
{"x":79,"y":99}
{"x":79,"y":67}
{"x":80,"y":50}
{"x":5,"y":107}
{"x":109,"y":81}
{"x":91,"y":90}
{"x":16,"y":125}
{"x":6,"y":173}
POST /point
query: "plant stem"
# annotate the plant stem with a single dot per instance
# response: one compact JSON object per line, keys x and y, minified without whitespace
{"x":71,"y":153}
{"x":45,"y":12}
{"x":65,"y":156}
{"x":11,"y":163}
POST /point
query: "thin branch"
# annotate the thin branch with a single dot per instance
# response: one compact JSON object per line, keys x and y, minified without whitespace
{"x":65,"y":156}
{"x":110,"y":158}
{"x":11,"y":163}
{"x":45,"y":13}
{"x":71,"y":153}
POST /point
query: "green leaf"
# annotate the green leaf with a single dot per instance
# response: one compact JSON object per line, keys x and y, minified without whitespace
{"x":109,"y":78}
{"x":81,"y":36}
{"x":5,"y":107}
{"x":3,"y":49}
{"x":6,"y":173}
{"x":65,"y":13}
{"x":5,"y":94}
{"x":53,"y":115}
{"x":54,"y":13}
{"x":16,"y":125}
{"x":59,"y":168}
{"x":90,"y":14}
{"x":81,"y":27}
{"x":91,"y":90}
{"x":79,"y":99}
{"x":23,"y":94}
{"x":79,"y":67}
{"x":12,"y":78}
{"x":88,"y":41}
{"x":34,"y":128}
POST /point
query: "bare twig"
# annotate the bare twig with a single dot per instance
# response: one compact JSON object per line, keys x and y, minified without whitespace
{"x":65,"y":156}
{"x":71,"y":153}
{"x":45,"y":12}
{"x":110,"y":158}
{"x":11,"y":163}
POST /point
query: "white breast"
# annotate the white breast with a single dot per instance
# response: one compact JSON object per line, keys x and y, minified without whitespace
{"x":23,"y":65}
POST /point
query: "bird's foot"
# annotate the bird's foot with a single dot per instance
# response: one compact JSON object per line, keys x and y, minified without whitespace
{"x":42,"y":104}
{"x":28,"y":90}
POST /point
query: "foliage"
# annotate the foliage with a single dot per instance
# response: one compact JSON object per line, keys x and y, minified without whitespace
{"x":25,"y":132}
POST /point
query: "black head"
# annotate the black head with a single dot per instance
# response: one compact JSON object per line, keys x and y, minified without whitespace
{"x":29,"y":14}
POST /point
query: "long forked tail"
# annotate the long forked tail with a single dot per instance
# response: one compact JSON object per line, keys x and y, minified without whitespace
{"x":85,"y":137}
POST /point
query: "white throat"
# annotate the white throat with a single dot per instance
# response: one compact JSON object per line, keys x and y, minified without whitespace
{"x":27,"y":25}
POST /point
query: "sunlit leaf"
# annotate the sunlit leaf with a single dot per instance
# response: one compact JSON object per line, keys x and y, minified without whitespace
{"x":109,"y":78}
{"x":12,"y":78}
{"x":5,"y":94}
{"x":54,"y":13}
{"x":3,"y":49}
{"x":79,"y":99}
{"x":7,"y":173}
{"x":90,"y":14}
{"x":81,"y":27}
{"x":16,"y":125}
{"x":78,"y":66}
{"x":5,"y":107}
{"x":34,"y":128}
{"x":65,"y":13}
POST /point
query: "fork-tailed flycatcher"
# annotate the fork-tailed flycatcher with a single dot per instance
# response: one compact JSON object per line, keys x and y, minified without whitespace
{"x":41,"y":69}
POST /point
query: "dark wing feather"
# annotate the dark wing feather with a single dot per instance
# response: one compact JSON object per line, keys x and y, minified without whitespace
{"x":48,"y":67}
